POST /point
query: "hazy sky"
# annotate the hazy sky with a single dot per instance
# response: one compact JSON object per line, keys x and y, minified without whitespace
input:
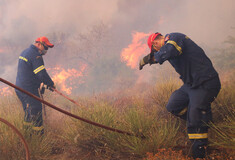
{"x":204,"y":20}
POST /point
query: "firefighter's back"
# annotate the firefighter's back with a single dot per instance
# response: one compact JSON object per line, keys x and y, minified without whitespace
{"x":26,"y":78}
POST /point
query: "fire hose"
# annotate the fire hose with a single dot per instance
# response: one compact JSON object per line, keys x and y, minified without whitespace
{"x":20,"y":135}
{"x":70,"y":114}
{"x":67,"y":97}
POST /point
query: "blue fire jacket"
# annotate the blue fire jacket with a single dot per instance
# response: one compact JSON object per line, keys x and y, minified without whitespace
{"x":188,"y":59}
{"x":31,"y":71}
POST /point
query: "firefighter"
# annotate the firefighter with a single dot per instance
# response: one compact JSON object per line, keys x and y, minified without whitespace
{"x":201,"y":84}
{"x":30,"y":74}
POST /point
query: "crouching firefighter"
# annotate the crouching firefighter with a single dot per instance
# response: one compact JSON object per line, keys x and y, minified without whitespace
{"x":30,"y":74}
{"x":201,"y":84}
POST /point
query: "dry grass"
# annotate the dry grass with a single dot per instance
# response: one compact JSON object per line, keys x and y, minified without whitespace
{"x":10,"y":144}
{"x":140,"y":113}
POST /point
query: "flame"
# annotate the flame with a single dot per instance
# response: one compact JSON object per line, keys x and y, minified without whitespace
{"x":65,"y":78}
{"x":5,"y":91}
{"x":138,"y":48}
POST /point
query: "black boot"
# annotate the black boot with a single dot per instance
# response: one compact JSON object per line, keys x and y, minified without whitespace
{"x":199,"y":148}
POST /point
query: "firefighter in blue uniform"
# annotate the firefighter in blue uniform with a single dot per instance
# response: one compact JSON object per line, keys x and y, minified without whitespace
{"x":201,"y":84}
{"x":30,"y":74}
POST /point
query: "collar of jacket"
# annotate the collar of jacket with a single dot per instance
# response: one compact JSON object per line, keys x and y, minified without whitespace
{"x":35,"y":49}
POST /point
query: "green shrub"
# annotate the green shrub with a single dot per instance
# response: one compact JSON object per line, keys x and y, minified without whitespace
{"x":135,"y":119}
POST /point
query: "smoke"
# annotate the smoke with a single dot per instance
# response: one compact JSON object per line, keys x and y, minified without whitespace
{"x":26,"y":18}
{"x":208,"y":22}
{"x":69,"y":24}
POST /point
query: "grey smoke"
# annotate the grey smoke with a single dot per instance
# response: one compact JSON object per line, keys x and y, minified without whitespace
{"x":208,"y":22}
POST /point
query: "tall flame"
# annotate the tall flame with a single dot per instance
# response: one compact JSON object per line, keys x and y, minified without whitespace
{"x":65,"y":78}
{"x":134,"y":50}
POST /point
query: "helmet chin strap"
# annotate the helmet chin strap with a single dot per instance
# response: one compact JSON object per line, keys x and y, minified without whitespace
{"x":155,"y":47}
{"x":162,"y":43}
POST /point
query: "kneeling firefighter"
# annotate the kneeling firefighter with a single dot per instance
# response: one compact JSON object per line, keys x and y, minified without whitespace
{"x":30,"y":74}
{"x":192,"y":101}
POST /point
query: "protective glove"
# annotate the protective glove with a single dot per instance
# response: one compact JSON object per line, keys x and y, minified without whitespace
{"x":51,"y":88}
{"x":147,"y":59}
{"x":152,"y":59}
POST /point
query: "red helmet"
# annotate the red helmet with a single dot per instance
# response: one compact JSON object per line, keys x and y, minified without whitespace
{"x":151,"y":39}
{"x":45,"y":40}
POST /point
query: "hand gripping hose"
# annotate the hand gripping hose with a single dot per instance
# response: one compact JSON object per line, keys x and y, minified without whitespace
{"x":20,"y":135}
{"x":70,"y":114}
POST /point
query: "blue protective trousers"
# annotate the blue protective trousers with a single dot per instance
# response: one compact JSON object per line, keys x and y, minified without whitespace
{"x":194,"y":106}
{"x":33,"y":112}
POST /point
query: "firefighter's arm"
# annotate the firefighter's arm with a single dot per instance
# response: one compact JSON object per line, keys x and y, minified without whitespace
{"x":171,"y":49}
{"x":41,"y":73}
{"x":45,"y":78}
